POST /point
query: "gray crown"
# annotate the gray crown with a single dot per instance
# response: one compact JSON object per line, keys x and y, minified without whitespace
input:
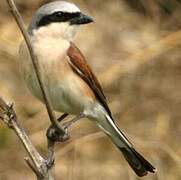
{"x":50,"y":8}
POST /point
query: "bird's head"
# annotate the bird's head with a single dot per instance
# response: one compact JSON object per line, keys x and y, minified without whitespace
{"x":58,"y":18}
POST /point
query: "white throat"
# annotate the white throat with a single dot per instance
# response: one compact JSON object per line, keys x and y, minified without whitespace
{"x":57,"y":30}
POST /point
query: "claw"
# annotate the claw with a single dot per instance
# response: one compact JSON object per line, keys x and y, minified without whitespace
{"x":51,"y":133}
{"x":65,"y":137}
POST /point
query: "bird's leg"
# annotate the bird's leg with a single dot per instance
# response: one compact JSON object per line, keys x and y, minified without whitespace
{"x":66,"y":125}
{"x":54,"y":136}
{"x":62,"y":117}
{"x":52,"y":133}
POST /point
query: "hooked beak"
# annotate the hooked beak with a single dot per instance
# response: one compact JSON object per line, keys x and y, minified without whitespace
{"x":81,"y":19}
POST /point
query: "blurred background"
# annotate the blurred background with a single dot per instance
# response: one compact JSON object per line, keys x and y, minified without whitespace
{"x":135,"y":49}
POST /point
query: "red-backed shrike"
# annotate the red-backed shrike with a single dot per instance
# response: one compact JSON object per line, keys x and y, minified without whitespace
{"x":72,"y":87}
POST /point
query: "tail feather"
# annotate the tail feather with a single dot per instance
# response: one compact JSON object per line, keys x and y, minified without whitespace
{"x":137,"y":162}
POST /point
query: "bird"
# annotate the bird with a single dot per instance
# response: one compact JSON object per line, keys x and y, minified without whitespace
{"x":71,"y":85}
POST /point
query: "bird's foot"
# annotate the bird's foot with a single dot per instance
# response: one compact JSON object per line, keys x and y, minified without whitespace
{"x":54,"y":135}
{"x":66,"y":136}
{"x":62,"y":117}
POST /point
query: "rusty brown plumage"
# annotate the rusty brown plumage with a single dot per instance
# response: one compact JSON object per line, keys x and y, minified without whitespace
{"x":80,"y":66}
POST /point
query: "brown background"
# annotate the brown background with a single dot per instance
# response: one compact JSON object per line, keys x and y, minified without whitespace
{"x":144,"y":93}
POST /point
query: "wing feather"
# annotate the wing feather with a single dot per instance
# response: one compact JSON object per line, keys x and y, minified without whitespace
{"x":80,"y":66}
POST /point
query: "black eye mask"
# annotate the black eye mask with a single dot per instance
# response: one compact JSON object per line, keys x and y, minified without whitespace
{"x":57,"y":17}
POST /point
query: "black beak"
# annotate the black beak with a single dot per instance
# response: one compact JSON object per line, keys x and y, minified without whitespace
{"x":81,"y":19}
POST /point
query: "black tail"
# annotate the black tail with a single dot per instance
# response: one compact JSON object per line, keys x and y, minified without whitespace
{"x":137,"y":162}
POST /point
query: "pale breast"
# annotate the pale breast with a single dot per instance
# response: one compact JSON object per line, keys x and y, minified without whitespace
{"x":67,"y":91}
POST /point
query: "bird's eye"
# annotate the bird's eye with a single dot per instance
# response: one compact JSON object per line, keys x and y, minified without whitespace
{"x":59,"y":14}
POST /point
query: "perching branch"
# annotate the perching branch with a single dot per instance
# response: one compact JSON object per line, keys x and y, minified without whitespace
{"x":36,"y":66}
{"x":39,"y":166}
{"x":60,"y":133}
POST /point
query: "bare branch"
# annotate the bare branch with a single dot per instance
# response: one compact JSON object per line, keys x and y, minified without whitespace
{"x":55,"y":124}
{"x":36,"y":66}
{"x":27,"y":160}
{"x":39,"y":167}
